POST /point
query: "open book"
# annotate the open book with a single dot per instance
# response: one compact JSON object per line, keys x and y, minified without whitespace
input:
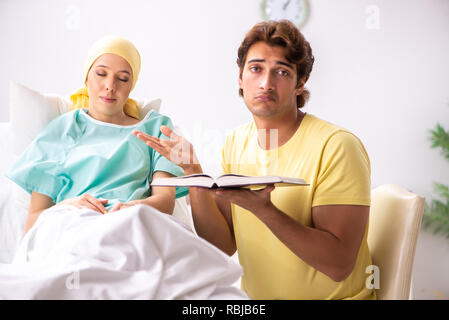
{"x":227,"y":181}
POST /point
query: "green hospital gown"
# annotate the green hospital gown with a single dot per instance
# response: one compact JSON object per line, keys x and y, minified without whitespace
{"x":76,"y":154}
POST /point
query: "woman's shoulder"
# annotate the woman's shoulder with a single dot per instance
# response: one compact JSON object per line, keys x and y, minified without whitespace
{"x":153,"y":114}
{"x":154,"y":119}
{"x":61,"y":122}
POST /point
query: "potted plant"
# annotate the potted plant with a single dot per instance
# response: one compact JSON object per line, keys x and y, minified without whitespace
{"x":436,"y":214}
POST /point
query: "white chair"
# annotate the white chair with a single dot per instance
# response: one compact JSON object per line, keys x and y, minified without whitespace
{"x":395,"y":221}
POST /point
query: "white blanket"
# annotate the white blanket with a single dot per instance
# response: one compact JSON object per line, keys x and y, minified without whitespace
{"x":135,"y":253}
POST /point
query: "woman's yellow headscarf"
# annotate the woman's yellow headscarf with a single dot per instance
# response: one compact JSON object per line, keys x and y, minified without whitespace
{"x":121,"y":47}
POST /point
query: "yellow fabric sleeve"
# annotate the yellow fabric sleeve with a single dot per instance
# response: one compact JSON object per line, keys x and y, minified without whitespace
{"x":344,"y":175}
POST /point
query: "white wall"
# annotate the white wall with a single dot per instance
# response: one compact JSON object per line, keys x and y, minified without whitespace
{"x":389,"y":85}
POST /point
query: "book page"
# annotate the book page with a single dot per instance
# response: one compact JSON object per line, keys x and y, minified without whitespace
{"x":196,"y":175}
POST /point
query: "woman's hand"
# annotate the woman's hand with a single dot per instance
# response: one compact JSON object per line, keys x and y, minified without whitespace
{"x":87,"y":201}
{"x":119,"y":206}
{"x":176,"y":149}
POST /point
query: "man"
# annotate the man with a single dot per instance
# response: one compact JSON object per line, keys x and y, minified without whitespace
{"x":293,"y":242}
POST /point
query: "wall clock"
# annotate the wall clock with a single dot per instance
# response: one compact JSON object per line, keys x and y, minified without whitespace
{"x":297,"y":11}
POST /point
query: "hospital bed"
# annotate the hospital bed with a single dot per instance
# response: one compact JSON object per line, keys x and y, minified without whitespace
{"x":157,"y":257}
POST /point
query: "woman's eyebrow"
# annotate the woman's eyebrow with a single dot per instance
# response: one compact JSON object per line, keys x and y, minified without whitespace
{"x":103,"y":66}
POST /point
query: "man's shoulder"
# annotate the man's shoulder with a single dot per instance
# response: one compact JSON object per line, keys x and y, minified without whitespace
{"x":242,"y":132}
{"x":332,"y":135}
{"x":322,"y":126}
{"x":239,"y":138}
{"x":248,"y":126}
{"x":325,"y":130}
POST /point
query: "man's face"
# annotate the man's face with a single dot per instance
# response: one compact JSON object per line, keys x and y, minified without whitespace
{"x":269,"y":81}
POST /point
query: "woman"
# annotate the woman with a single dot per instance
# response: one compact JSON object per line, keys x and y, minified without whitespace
{"x":89,"y":157}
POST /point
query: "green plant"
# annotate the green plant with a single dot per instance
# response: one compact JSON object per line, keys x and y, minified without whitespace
{"x":436,"y":214}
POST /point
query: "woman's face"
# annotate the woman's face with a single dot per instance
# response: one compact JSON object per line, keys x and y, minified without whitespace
{"x":109,"y":82}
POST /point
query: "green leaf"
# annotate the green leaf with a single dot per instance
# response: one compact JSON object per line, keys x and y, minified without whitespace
{"x":436,"y":213}
{"x":442,"y":190}
{"x":440,"y":139}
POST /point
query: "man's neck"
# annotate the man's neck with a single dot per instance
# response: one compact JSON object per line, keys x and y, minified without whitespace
{"x":274,"y":132}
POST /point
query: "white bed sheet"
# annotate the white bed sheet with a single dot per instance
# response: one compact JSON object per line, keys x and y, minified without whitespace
{"x":11,"y":220}
{"x":134,"y":253}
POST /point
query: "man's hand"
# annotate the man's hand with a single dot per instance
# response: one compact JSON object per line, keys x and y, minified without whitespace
{"x":251,"y":200}
{"x":176,"y":149}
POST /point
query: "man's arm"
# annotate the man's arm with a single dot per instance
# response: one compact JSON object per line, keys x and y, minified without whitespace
{"x":212,"y":217}
{"x":347,"y":223}
{"x":331,"y":245}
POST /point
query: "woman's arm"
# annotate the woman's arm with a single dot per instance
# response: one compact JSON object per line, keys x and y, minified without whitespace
{"x":162,"y":198}
{"x":39,"y":202}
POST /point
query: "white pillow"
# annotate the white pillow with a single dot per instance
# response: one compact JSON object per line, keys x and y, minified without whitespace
{"x":30,"y":111}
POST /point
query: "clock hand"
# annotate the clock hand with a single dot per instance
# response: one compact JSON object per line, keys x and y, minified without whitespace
{"x":286,"y":5}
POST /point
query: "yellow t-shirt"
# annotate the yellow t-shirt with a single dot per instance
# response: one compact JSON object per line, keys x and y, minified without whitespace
{"x":335,"y":164}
